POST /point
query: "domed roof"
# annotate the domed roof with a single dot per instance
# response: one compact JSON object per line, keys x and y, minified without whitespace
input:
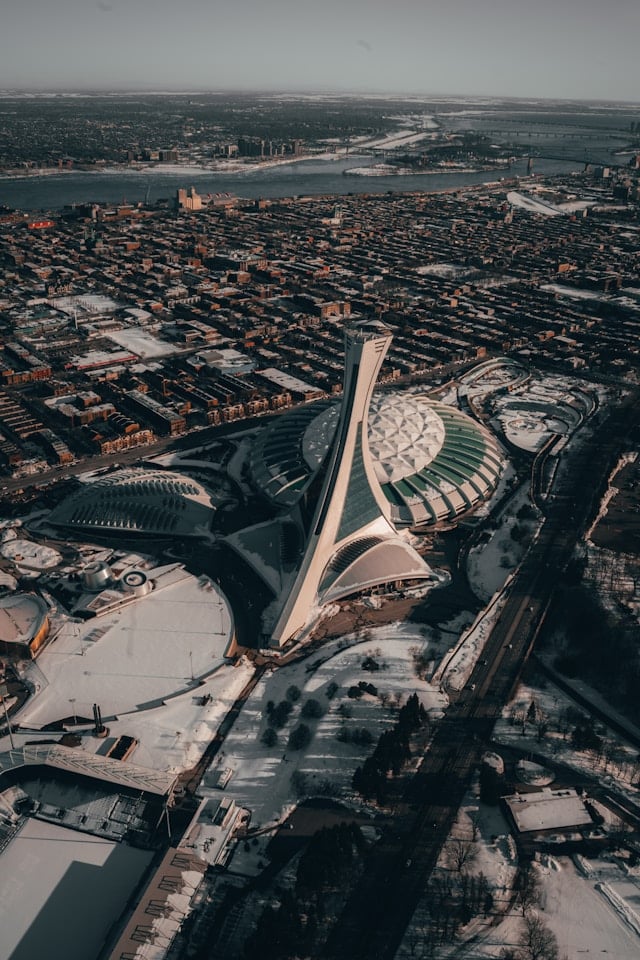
{"x":21,"y":617}
{"x":137,"y":500}
{"x":405,"y":435}
{"x":432,"y":461}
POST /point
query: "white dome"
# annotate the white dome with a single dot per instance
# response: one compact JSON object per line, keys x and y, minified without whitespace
{"x":432,"y":461}
{"x":404,"y":435}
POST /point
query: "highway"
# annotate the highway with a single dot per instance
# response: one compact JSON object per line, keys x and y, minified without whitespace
{"x":378,"y":911}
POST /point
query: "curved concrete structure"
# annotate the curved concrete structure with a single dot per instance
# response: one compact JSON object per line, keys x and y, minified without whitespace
{"x":432,"y":461}
{"x":351,"y":544}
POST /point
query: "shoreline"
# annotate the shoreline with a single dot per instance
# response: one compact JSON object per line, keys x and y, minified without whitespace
{"x":378,"y":171}
{"x":224,"y":168}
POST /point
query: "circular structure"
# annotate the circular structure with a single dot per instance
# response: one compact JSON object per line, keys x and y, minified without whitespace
{"x":96,"y":576}
{"x":432,"y":461}
{"x":136,"y":582}
{"x":150,"y":502}
{"x":24,"y":625}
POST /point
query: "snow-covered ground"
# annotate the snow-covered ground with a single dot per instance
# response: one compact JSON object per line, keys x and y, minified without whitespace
{"x":494,"y":856}
{"x":591,"y":916}
{"x":491,"y":563}
{"x":616,"y":763}
{"x":576,"y":292}
{"x":456,"y":668}
{"x":590,"y":905}
{"x":261,"y":778}
{"x":174,"y":735}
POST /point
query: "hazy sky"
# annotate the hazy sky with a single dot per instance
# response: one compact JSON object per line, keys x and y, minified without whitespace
{"x":540,"y":48}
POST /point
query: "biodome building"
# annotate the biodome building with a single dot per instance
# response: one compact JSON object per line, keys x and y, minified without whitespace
{"x":432,"y":461}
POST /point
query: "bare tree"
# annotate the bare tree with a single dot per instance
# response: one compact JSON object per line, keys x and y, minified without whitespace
{"x":460,"y":853}
{"x":537,"y":940}
{"x":527,"y":888}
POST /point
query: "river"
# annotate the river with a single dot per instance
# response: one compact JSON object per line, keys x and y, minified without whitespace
{"x":304,"y":178}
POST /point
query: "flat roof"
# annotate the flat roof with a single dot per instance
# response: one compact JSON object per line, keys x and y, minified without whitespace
{"x":548,"y":810}
{"x":45,"y":872}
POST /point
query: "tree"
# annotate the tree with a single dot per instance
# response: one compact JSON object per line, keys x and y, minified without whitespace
{"x":280,"y":714}
{"x":300,"y":737}
{"x":361,"y":737}
{"x":460,"y":853}
{"x":517,"y":533}
{"x":369,"y":663}
{"x":269,"y":738}
{"x":311,"y":710}
{"x":585,"y":737}
{"x":491,"y":785}
{"x":537,"y":940}
{"x":527,"y":888}
{"x":332,"y":689}
{"x":293,"y":693}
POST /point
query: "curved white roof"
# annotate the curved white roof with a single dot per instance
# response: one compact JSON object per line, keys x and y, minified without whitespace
{"x":431,"y":460}
{"x":21,"y":617}
{"x":404,"y":435}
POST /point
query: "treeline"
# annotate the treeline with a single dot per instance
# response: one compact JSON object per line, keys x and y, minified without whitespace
{"x":603,"y":648}
{"x":392,"y":751}
{"x":293,"y":927}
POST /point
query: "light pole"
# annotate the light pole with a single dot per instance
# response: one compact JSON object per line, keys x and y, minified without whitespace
{"x":72,"y":701}
{"x":3,"y":693}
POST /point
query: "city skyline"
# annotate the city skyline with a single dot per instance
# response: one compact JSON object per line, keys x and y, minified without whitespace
{"x":564,"y":50}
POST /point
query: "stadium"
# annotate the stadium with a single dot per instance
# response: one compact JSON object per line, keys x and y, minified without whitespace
{"x":432,"y":461}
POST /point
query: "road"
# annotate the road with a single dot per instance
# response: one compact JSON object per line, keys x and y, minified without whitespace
{"x":378,"y":911}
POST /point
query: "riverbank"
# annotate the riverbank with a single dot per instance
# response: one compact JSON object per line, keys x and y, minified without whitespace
{"x":389,"y":170}
{"x":321,"y":175}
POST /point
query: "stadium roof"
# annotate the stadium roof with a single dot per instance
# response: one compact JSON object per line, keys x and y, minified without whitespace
{"x":432,"y":461}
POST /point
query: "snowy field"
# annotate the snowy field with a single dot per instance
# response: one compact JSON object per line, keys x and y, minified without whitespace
{"x":494,"y":856}
{"x":591,"y":916}
{"x":261,"y":778}
{"x":590,"y":905}
{"x":490,"y":564}
{"x":533,"y":205}
{"x":46,"y":868}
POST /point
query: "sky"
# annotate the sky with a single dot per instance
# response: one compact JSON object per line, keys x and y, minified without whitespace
{"x":584,"y":49}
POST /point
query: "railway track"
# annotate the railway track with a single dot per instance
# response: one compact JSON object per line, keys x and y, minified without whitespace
{"x":379,"y":910}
